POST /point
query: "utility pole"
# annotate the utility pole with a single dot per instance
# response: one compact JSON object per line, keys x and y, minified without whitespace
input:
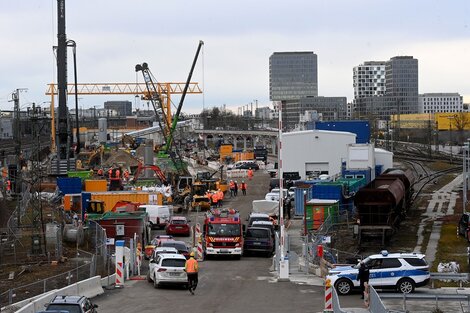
{"x":17,"y":138}
{"x":283,"y":260}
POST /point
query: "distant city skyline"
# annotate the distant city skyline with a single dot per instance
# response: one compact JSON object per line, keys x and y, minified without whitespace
{"x":113,"y":36}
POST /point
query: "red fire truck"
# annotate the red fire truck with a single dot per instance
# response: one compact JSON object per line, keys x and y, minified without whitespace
{"x":223,"y":233}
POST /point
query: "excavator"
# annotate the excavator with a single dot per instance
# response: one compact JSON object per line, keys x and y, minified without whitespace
{"x":88,"y":159}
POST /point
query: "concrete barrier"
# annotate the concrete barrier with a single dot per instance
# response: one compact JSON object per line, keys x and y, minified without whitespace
{"x":89,"y":288}
{"x":237,"y":173}
{"x":108,"y":280}
{"x":18,"y":305}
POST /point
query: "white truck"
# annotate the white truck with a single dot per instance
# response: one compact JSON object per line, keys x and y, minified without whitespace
{"x":268,"y":207}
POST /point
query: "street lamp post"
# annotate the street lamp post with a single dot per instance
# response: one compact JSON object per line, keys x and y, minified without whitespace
{"x":450,"y":138}
{"x":73,"y":44}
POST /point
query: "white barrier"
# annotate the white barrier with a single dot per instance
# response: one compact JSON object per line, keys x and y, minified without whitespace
{"x":108,"y":280}
{"x":237,"y":173}
{"x":213,"y":165}
{"x":18,"y":305}
{"x":89,"y":288}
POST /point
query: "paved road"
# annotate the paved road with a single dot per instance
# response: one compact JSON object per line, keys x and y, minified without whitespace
{"x":225,"y":285}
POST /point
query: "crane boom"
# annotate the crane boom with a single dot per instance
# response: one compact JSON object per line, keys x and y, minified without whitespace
{"x":169,"y":141}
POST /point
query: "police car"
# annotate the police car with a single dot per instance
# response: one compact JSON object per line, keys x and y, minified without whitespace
{"x":403,"y":271}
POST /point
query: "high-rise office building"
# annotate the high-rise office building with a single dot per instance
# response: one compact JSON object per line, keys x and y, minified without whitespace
{"x":401,"y":91}
{"x":369,"y":79}
{"x":292,"y":75}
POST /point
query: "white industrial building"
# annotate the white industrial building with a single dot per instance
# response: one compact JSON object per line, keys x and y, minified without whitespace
{"x":440,"y":102}
{"x":315,"y":152}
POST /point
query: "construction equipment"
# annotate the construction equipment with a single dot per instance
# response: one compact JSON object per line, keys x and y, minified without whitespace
{"x":163,"y":116}
{"x":212,"y":183}
{"x":88,"y":159}
{"x":201,"y":200}
{"x":154,"y":168}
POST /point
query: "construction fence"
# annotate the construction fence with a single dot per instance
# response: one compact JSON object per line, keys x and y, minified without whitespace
{"x":86,"y":259}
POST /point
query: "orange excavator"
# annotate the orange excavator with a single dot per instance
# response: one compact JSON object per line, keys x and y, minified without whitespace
{"x":154,"y":168}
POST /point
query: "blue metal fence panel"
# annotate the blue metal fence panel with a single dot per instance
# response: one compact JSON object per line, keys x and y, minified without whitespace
{"x":300,"y":195}
{"x":69,"y":185}
{"x":86,"y":197}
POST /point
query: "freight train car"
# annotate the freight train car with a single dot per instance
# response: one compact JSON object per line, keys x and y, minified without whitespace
{"x":380,"y":206}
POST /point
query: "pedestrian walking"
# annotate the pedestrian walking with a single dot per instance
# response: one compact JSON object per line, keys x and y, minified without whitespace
{"x":243,"y":187}
{"x":236,"y":189}
{"x":232,"y":188}
{"x":363,"y":277}
{"x":192,"y":268}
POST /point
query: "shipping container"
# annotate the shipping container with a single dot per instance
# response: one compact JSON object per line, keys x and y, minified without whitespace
{"x":75,"y":202}
{"x":360,"y":128}
{"x":92,"y":185}
{"x":317,"y":211}
{"x":357,"y":174}
{"x":80,"y":174}
{"x":68,"y":185}
{"x":123,"y":226}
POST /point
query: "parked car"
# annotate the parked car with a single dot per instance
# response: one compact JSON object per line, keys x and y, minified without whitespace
{"x":72,"y":304}
{"x":159,"y":215}
{"x":258,"y":217}
{"x":167,"y":268}
{"x":265,"y":224}
{"x":160,"y":250}
{"x":273,"y":195}
{"x":258,"y":240}
{"x":179,"y":245}
{"x":156,"y":242}
{"x":178,"y":225}
{"x":244,"y":165}
{"x":464,"y":226}
{"x":401,"y":271}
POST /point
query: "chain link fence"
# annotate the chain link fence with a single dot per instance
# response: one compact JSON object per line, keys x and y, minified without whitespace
{"x":85,"y":261}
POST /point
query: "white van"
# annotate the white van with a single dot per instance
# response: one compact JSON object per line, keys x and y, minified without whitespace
{"x":159,"y":215}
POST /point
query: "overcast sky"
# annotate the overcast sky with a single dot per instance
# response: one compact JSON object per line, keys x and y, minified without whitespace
{"x":113,"y":36}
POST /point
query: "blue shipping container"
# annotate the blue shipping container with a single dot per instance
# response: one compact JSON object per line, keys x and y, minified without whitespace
{"x":357,"y":173}
{"x":69,"y":185}
{"x":360,"y":128}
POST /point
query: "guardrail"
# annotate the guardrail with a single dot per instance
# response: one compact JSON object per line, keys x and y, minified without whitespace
{"x":89,"y":288}
{"x":460,"y":277}
{"x":425,"y":297}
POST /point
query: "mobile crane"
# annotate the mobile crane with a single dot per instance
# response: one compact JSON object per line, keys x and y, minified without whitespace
{"x":167,"y":126}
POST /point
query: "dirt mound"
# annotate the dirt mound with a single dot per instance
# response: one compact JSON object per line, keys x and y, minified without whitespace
{"x":121,"y":157}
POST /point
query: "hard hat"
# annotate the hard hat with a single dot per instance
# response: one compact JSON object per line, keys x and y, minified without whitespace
{"x":192,"y":253}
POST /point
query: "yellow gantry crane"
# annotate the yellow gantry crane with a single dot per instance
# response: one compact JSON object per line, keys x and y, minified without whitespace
{"x":164,"y":89}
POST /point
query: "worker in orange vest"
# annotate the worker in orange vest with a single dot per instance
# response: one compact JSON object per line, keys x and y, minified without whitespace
{"x":232,"y":188}
{"x":110,"y":173}
{"x":215,"y":199}
{"x":192,"y":268}
{"x":126,"y":175}
{"x":243,"y":187}
{"x":220,"y":197}
{"x":250,"y":174}
{"x":8,"y":187}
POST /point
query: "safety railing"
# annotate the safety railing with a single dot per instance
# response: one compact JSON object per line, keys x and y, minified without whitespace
{"x":335,"y":302}
{"x":375,"y":303}
{"x":424,"y":297}
{"x":460,"y":277}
